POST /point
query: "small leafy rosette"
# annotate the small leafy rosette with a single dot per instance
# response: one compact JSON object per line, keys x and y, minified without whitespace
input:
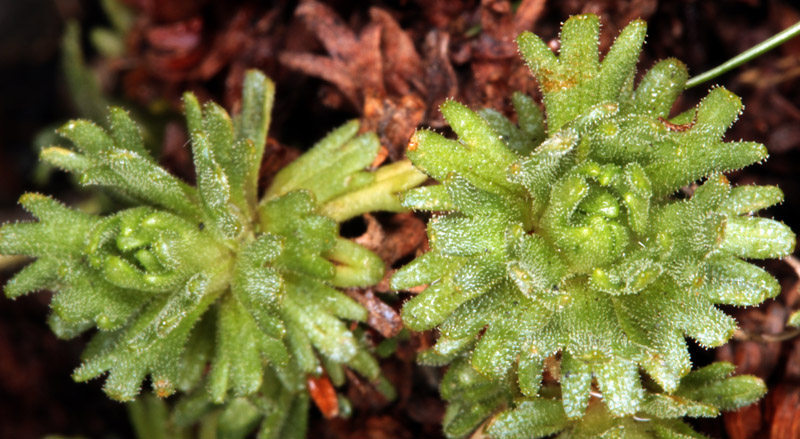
{"x":573,"y":242}
{"x":193,"y":276}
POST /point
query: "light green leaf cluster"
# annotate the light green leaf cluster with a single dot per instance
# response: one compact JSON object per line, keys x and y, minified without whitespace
{"x":702,"y":393}
{"x":574,"y":244}
{"x":208,"y":276}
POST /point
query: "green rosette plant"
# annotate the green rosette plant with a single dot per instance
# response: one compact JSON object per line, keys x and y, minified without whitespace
{"x":566,"y":237}
{"x":210,"y":288}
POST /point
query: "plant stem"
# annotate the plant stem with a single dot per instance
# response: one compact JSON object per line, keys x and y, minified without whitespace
{"x":381,"y":194}
{"x":766,"y":338}
{"x":755,"y":51}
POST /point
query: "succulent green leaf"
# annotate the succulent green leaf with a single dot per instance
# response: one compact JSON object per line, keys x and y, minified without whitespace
{"x":324,"y":331}
{"x":533,"y":418}
{"x":529,"y":375}
{"x":150,"y":418}
{"x":478,"y":136}
{"x":576,"y":380}
{"x":355,"y":265}
{"x":46,"y":237}
{"x":65,"y":159}
{"x":381,"y":194}
{"x":86,"y":298}
{"x":132,"y":175}
{"x":126,"y":133}
{"x":731,"y":280}
{"x":530,"y":118}
{"x":287,"y":418}
{"x":87,"y":137}
{"x":749,"y":199}
{"x":38,"y":275}
{"x":237,"y":365}
{"x":428,"y":198}
{"x":340,"y":153}
{"x":251,"y":125}
{"x":496,"y":350}
{"x":197,"y":354}
{"x":258,"y":288}
{"x":473,"y":398}
{"x":659,"y":88}
{"x":713,"y":385}
{"x":425,"y":269}
{"x":214,"y":190}
{"x":514,"y":138}
{"x":238,"y":419}
{"x":757,"y":238}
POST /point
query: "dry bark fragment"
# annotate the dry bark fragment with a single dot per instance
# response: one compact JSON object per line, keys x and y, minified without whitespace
{"x":403,"y":64}
{"x":497,"y":70}
{"x":745,"y":423}
{"x":393,"y":238}
{"x":354,"y":63}
{"x":440,"y":77}
{"x":378,"y":71}
{"x":381,"y":317}
{"x":176,"y":45}
{"x":174,"y":49}
{"x":785,"y":401}
{"x":443,"y":13}
{"x":225,"y":46}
